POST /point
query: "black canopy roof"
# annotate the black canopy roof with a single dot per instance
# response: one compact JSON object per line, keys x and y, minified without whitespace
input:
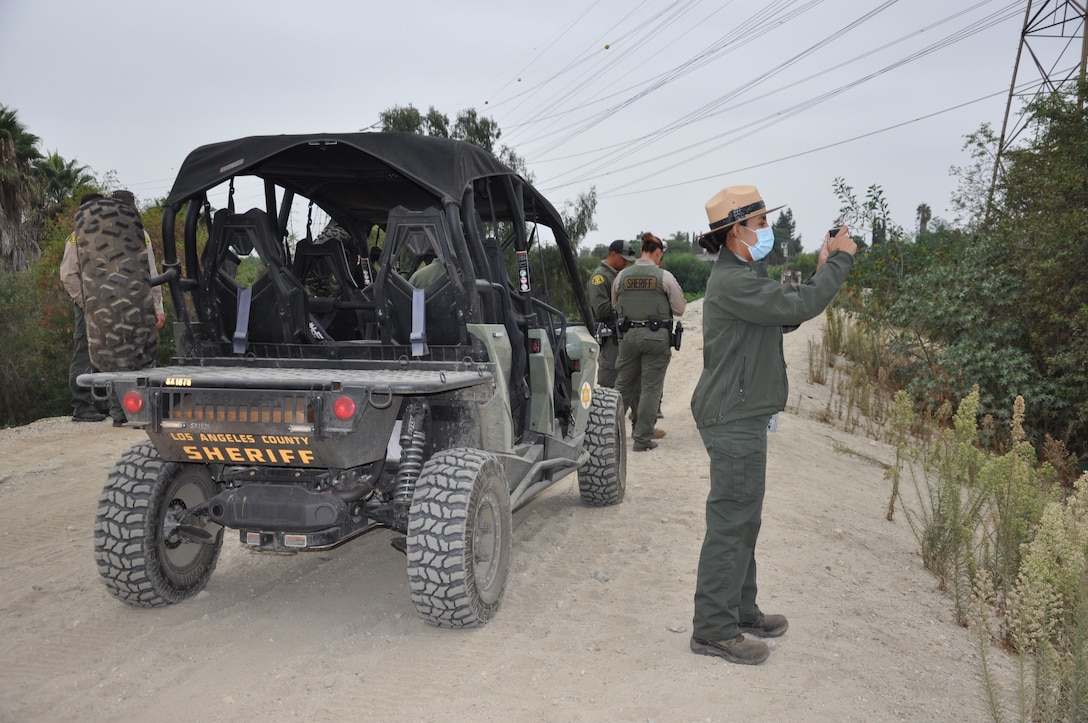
{"x":441,"y":166}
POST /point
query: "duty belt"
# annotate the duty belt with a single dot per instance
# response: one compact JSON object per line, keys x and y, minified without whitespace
{"x":652,"y":324}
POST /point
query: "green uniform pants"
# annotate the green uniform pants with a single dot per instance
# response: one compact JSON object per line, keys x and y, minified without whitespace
{"x":644,"y":358}
{"x":82,"y":401}
{"x":725,"y":591}
{"x":606,"y":368}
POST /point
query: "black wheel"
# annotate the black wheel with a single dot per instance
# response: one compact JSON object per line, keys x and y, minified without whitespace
{"x":603,"y":478}
{"x":147,"y":552}
{"x":459,"y":534}
{"x":112,"y":251}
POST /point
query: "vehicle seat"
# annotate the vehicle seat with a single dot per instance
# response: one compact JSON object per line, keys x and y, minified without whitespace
{"x":277,"y":300}
{"x":323,"y":269}
{"x":418,"y":232}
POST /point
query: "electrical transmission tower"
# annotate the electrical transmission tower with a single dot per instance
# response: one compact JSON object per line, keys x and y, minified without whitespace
{"x":1056,"y":50}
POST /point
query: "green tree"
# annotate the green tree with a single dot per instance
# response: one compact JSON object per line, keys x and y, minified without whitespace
{"x":870,"y":214}
{"x":679,"y":243}
{"x":690,"y":271}
{"x":60,"y":179}
{"x":468,"y":126}
{"x":36,"y":332}
{"x":924,"y":214}
{"x":784,"y":229}
{"x":18,"y":191}
{"x":1042,"y":223}
{"x":404,"y":119}
{"x":578,"y":216}
{"x":1001,"y":303}
{"x":975,"y":193}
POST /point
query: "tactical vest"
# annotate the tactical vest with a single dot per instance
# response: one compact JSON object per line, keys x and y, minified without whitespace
{"x":641,"y":293}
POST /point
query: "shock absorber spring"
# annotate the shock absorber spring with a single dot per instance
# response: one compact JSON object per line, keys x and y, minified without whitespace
{"x":412,"y":438}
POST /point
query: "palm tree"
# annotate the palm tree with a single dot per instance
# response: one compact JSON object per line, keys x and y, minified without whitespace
{"x":18,"y":155}
{"x":924,"y":215}
{"x":60,"y":178}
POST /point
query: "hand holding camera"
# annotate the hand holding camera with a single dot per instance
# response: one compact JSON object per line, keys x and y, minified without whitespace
{"x":837,"y":239}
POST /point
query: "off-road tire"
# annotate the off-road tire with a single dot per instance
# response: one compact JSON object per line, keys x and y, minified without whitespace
{"x":603,"y":478}
{"x":459,"y":539}
{"x":141,"y":562}
{"x":112,"y":252}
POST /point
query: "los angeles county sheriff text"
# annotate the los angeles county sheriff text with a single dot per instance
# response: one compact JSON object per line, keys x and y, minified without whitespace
{"x":245,"y":448}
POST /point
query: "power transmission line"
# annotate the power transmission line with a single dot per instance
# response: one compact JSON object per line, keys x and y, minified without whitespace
{"x":767,"y":121}
{"x":612,"y":194}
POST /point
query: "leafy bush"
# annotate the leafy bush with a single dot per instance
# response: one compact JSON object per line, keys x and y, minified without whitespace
{"x":690,"y":271}
{"x":36,"y":335}
{"x":1001,"y":307}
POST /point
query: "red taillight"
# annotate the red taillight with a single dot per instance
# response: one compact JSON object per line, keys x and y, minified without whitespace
{"x":344,"y":408}
{"x":534,"y":346}
{"x":133,"y":402}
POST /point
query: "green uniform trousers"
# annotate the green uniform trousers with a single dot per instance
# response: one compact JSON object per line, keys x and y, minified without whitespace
{"x":644,"y":358}
{"x":725,"y":591}
{"x":607,"y":373}
{"x":82,"y":401}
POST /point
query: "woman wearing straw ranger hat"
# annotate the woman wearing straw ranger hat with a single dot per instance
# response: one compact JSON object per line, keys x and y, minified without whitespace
{"x":742,"y":385}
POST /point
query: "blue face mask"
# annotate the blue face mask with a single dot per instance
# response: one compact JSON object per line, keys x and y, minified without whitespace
{"x":764,"y":243}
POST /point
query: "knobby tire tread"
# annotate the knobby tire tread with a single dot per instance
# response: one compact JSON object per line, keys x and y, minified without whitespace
{"x":602,"y":480}
{"x":117,"y":303}
{"x":438,"y":569}
{"x":123,"y":540}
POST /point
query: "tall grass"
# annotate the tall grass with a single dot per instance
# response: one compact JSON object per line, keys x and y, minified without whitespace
{"x":1005,"y":534}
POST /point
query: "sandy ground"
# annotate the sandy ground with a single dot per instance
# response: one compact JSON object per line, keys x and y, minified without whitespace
{"x":594,"y":626}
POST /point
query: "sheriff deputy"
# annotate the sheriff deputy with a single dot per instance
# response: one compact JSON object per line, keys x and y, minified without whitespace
{"x":647,"y":298}
{"x":599,"y":293}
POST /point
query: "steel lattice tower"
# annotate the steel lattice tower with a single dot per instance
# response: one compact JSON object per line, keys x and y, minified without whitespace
{"x":1053,"y":53}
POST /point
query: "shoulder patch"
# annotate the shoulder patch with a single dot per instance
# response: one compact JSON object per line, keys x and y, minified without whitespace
{"x":71,"y":238}
{"x":598,"y":280}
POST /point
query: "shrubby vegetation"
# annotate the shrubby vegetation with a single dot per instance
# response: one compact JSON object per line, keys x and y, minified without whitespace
{"x":978,"y":331}
{"x":999,"y":303}
{"x":1004,"y":532}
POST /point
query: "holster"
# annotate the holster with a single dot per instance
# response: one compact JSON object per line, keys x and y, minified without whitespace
{"x":621,"y":328}
{"x":676,"y":335}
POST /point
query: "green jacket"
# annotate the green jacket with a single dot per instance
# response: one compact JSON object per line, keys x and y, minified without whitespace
{"x":599,"y":292}
{"x":744,"y":312}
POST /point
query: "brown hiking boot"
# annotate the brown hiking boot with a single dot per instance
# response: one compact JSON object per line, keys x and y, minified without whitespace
{"x":735,"y":650}
{"x":766,"y":626}
{"x":659,"y":433}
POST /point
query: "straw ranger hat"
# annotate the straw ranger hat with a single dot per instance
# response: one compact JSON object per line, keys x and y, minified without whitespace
{"x":729,"y":206}
{"x":735,"y":204}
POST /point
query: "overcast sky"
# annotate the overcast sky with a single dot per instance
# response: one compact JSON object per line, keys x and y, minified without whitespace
{"x":657,"y":104}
